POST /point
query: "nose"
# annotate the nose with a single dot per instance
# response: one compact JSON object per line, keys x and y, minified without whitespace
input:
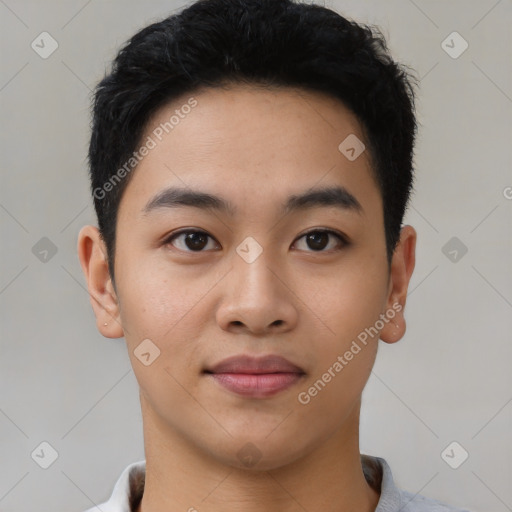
{"x":258,"y":298}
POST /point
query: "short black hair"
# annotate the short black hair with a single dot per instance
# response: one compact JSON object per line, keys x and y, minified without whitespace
{"x":271,"y":43}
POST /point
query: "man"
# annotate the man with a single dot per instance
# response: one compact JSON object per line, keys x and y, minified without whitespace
{"x":251,"y":162}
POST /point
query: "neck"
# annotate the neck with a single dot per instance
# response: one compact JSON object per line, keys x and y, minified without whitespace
{"x":180,"y":477}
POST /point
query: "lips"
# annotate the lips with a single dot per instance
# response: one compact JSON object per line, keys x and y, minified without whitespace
{"x":256,"y":377}
{"x":255,"y":365}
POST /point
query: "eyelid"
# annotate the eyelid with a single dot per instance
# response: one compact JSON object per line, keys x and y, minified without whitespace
{"x":171,"y":236}
{"x":186,"y":230}
{"x":342,"y":238}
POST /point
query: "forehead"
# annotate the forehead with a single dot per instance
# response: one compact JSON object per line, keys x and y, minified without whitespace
{"x":255,"y":145}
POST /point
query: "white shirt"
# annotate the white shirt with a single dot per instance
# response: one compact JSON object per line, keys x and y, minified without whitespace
{"x":130,"y":486}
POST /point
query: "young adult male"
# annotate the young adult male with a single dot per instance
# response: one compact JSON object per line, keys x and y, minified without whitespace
{"x":251,"y":162}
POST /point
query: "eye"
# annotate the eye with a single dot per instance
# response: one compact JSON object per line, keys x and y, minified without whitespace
{"x":190,"y":240}
{"x":318,"y":239}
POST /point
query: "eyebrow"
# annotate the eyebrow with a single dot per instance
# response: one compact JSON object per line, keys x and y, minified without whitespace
{"x":174,"y":197}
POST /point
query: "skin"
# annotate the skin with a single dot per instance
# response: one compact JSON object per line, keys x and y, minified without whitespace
{"x":253,"y":147}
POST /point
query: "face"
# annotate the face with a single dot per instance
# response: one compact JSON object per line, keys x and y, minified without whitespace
{"x":287,"y":259}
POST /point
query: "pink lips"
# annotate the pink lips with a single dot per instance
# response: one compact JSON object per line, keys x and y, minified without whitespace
{"x":256,"y":377}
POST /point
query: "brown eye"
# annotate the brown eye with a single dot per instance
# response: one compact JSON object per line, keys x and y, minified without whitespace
{"x":320,"y":239}
{"x":190,"y":240}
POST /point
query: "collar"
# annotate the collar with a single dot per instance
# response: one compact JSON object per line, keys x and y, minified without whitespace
{"x":129,"y":488}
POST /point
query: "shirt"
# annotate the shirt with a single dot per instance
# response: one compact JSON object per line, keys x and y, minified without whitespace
{"x":129,"y":488}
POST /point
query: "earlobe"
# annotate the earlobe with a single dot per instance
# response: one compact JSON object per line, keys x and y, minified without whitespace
{"x":395,"y":329}
{"x":93,"y":259}
{"x":402,"y":267}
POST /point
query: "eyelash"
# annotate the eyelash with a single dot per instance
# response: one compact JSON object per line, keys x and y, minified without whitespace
{"x":342,"y":239}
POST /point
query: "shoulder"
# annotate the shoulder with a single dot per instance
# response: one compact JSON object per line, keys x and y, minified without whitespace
{"x":392,"y":499}
{"x":127,"y":490}
{"x":418,"y":503}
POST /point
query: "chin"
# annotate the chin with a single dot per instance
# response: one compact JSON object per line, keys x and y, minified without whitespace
{"x":259,"y":452}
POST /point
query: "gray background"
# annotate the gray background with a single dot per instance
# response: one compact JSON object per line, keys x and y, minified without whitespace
{"x":448,"y":380}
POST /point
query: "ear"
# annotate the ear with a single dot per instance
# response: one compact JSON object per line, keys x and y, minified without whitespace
{"x":93,"y":259}
{"x":402,"y":266}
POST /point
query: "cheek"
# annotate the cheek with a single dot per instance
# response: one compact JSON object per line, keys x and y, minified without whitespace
{"x":345,"y":357}
{"x":154,"y":300}
{"x":164,"y":311}
{"x":331,"y":397}
{"x":346,"y":301}
{"x":347,"y":306}
{"x":161,"y":308}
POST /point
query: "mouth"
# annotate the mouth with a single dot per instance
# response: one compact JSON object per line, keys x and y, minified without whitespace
{"x":255,"y":377}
